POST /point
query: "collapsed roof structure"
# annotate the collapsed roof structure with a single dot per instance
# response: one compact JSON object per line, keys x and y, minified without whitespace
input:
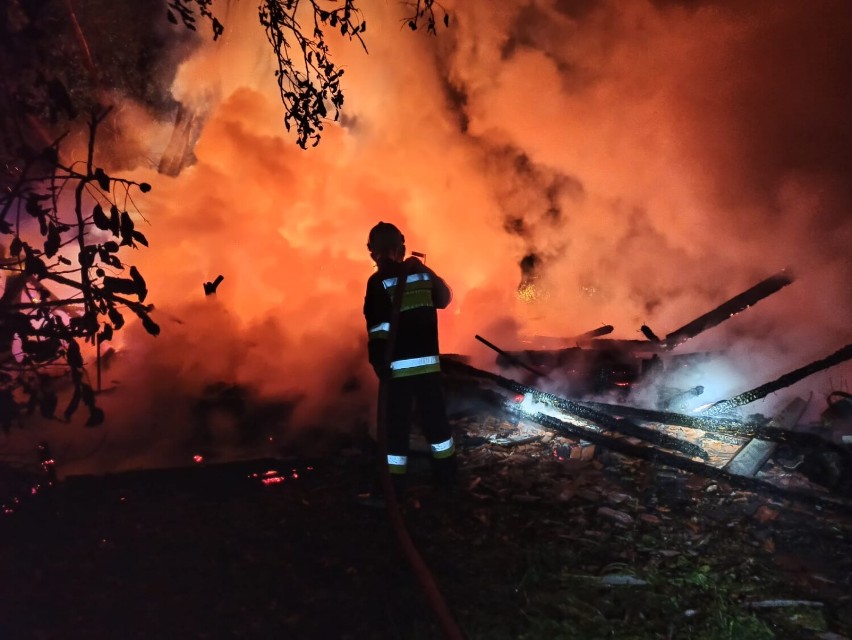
{"x":713,"y":440}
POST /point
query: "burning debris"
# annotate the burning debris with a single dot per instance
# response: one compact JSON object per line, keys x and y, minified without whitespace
{"x":729,"y":309}
{"x":599,"y":365}
{"x":713,"y":441}
{"x":210,"y":287}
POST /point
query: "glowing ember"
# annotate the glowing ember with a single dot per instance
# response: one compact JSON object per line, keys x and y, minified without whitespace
{"x":197,"y":458}
{"x":527,"y":293}
{"x":269,"y":477}
{"x":273,"y":476}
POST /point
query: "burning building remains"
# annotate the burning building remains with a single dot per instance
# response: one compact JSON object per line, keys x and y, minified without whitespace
{"x":678,"y":421}
{"x":658,"y":207}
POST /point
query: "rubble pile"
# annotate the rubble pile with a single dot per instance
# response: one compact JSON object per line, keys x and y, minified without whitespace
{"x":811,"y":463}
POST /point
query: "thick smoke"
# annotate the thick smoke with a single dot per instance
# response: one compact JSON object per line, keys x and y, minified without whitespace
{"x":563,"y":164}
{"x":704,"y":146}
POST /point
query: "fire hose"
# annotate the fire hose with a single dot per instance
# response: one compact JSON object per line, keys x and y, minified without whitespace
{"x":415,"y":560}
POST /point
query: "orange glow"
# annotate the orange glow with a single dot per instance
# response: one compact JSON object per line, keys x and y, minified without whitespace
{"x":628,"y":146}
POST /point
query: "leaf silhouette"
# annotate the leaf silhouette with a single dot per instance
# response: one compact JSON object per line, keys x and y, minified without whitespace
{"x":102,"y":178}
{"x":100,"y":219}
{"x":51,"y":245}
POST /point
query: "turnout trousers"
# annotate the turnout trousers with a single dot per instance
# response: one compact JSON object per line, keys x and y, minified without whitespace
{"x":425,"y":394}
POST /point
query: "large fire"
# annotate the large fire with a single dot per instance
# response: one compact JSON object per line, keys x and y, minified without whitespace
{"x":644,"y":161}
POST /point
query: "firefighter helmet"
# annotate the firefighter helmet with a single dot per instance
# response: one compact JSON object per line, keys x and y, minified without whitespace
{"x":384,"y":238}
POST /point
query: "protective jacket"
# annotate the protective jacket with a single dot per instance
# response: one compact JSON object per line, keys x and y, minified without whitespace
{"x":416,"y":347}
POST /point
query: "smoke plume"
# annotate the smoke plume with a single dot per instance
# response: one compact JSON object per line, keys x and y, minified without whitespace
{"x":562,"y":163}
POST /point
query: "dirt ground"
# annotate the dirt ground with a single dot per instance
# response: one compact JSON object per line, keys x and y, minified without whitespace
{"x":529,"y":546}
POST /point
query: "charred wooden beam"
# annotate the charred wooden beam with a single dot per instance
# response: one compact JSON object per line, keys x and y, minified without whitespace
{"x":604,"y":420}
{"x":724,"y":427}
{"x":511,"y":358}
{"x":728,"y":309}
{"x":649,"y":333}
{"x":623,"y":426}
{"x":730,"y":426}
{"x":841,"y":355}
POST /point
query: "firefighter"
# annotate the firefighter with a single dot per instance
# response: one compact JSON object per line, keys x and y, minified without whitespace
{"x":411,"y":374}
